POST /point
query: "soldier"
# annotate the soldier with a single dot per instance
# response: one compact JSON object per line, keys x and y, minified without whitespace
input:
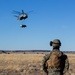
{"x":55,"y":63}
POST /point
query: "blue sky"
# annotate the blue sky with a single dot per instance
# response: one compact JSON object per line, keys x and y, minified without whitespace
{"x":50,"y":19}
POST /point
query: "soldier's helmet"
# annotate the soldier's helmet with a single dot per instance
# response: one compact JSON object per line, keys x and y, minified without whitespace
{"x":55,"y":43}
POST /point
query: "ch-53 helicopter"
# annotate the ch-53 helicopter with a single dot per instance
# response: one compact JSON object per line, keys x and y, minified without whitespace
{"x":21,"y":15}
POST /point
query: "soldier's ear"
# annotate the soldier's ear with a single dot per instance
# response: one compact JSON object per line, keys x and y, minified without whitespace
{"x":51,"y":43}
{"x":60,"y":43}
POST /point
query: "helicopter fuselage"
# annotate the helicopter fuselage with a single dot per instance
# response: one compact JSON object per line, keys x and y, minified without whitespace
{"x":23,"y":16}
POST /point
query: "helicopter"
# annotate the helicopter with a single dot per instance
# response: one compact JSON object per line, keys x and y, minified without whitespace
{"x":21,"y":15}
{"x":22,"y":26}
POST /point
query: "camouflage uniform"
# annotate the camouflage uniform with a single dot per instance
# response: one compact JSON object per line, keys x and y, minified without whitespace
{"x":54,"y":71}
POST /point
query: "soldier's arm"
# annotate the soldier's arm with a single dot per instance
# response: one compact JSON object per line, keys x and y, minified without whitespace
{"x":45,"y":58}
{"x":66,"y":64}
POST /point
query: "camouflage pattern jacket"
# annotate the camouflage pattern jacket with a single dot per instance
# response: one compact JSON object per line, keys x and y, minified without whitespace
{"x":64,"y":66}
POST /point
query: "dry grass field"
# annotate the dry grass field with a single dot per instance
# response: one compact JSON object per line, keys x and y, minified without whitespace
{"x":27,"y":64}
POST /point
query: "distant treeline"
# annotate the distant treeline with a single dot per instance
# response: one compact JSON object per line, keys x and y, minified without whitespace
{"x":5,"y":51}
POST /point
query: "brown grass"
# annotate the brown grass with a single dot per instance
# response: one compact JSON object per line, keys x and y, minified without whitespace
{"x":71,"y":58}
{"x":13,"y":61}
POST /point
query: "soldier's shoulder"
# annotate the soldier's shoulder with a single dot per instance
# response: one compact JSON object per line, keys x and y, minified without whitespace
{"x":65,"y":56}
{"x":47,"y":56}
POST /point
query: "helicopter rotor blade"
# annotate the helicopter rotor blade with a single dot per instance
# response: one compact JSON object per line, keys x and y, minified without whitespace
{"x":16,"y":12}
{"x":22,"y":12}
{"x":30,"y":11}
{"x":15,"y":16}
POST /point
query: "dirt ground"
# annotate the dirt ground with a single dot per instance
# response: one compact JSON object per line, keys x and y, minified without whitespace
{"x":28,"y":64}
